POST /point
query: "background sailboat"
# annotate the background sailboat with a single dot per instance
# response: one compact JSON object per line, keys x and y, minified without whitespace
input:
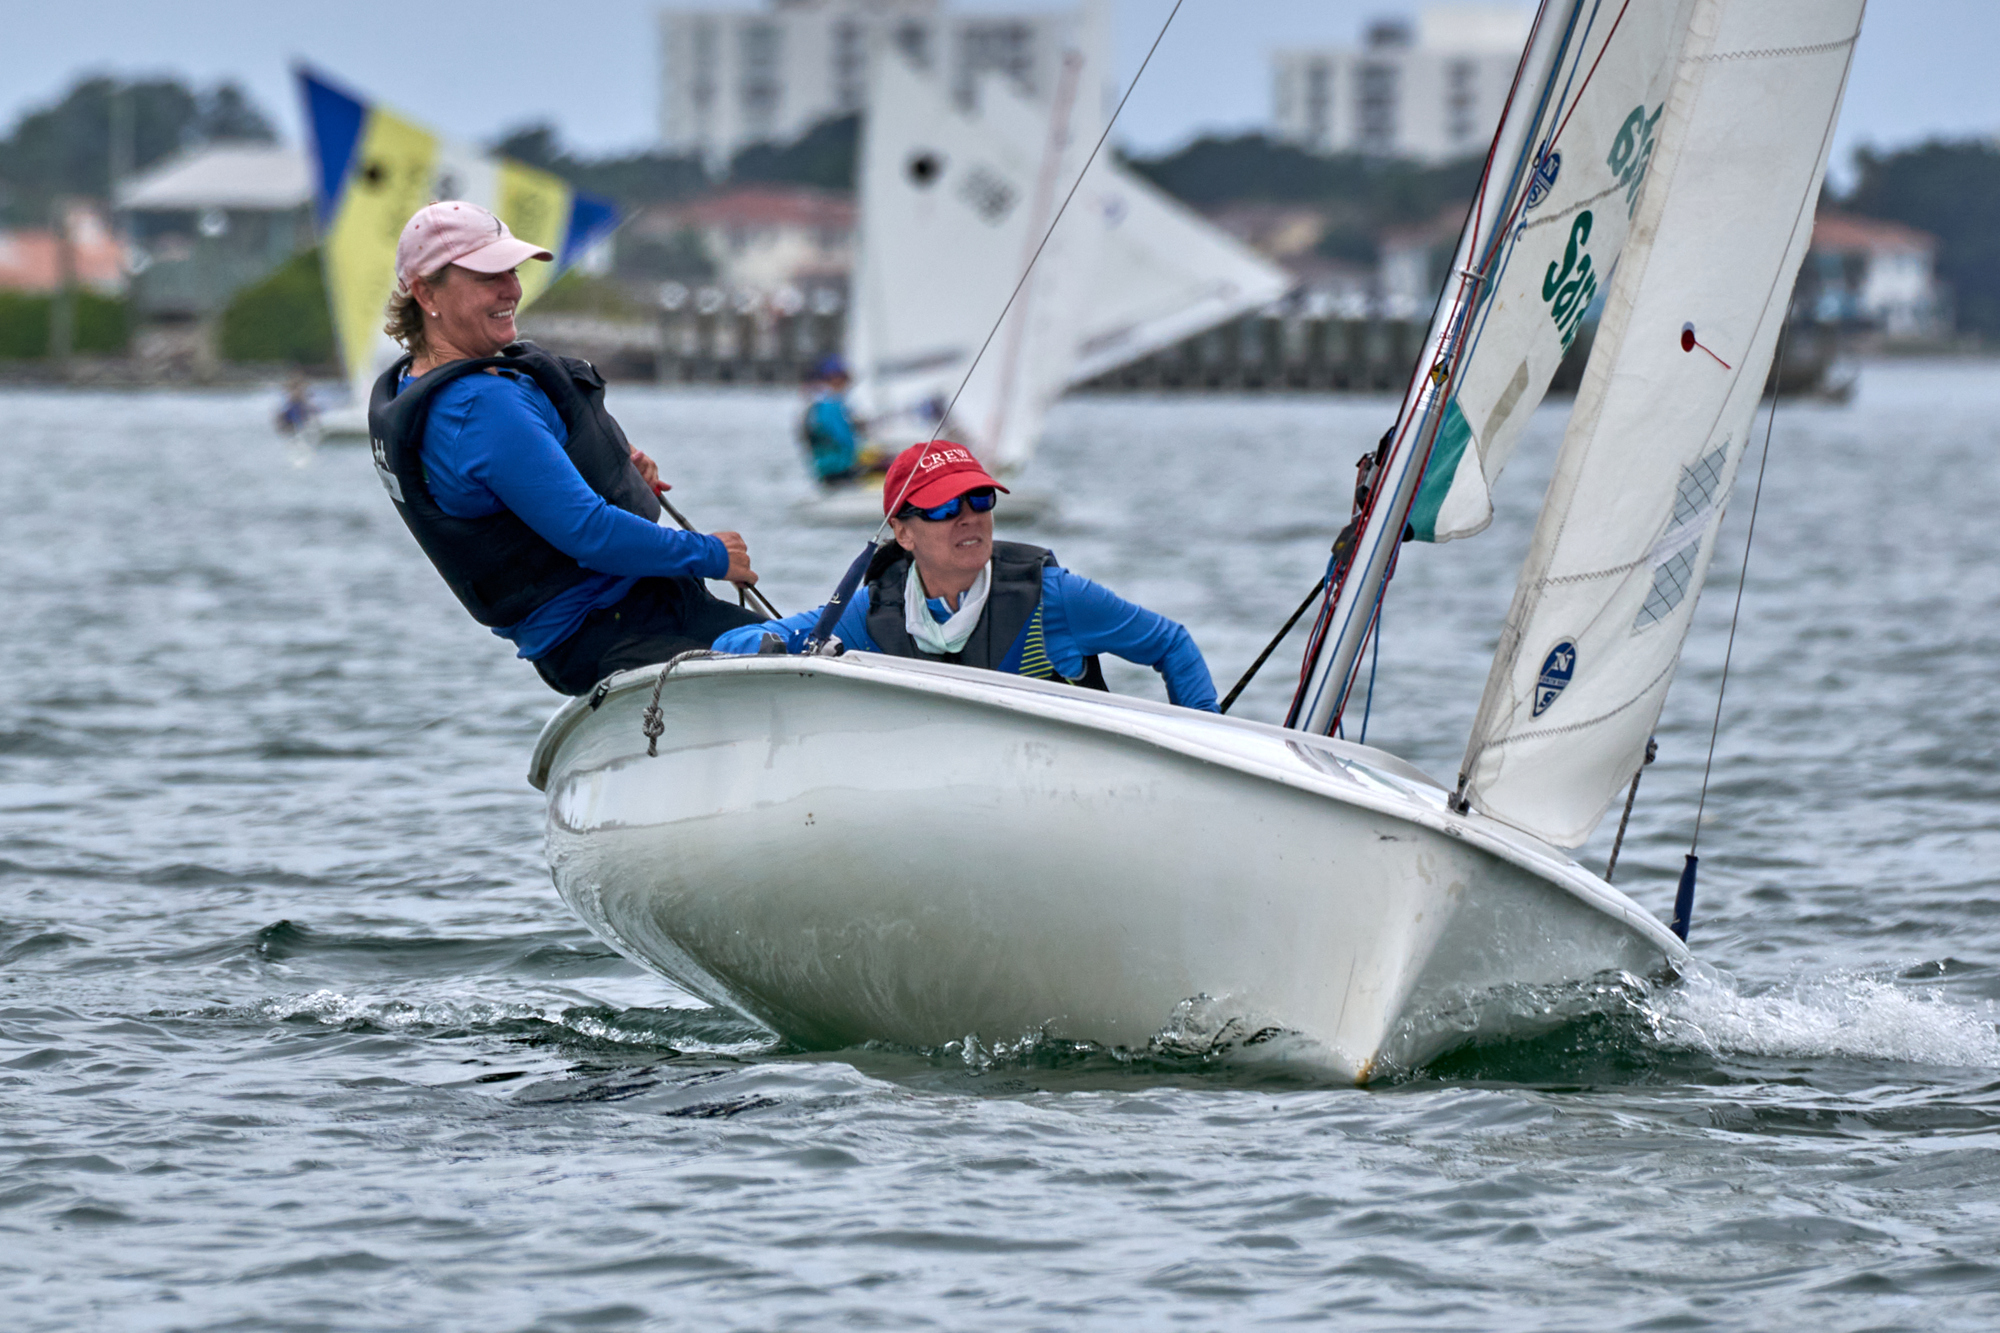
{"x":371,"y":169}
{"x":954,"y":206}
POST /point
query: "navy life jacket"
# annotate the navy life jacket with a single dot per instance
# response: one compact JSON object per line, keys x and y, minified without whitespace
{"x":1013,"y":614}
{"x":501,"y":568}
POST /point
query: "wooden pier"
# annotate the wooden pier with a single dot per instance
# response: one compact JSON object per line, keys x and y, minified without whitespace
{"x":1257,"y":353}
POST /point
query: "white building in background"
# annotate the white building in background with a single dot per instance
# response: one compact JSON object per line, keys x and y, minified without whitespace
{"x":1869,"y":271}
{"x":733,"y":77}
{"x":1431,"y":92}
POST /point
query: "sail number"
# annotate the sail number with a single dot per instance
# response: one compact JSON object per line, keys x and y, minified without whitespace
{"x":1632,"y":152}
{"x":1569,"y":289}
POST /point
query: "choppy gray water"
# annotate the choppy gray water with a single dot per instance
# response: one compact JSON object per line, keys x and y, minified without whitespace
{"x":294,"y":1033}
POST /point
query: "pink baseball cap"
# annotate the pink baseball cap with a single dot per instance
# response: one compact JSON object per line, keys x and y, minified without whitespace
{"x":452,"y":231}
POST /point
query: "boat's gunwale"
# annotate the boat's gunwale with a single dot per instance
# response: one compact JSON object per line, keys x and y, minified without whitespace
{"x":1127,"y":718}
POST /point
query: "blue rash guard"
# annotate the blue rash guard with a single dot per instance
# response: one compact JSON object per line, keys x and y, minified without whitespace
{"x":495,"y":441}
{"x":1079,"y":618}
{"x":830,"y":437}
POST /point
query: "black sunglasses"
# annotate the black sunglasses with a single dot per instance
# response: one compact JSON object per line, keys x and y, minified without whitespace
{"x":980,"y":501}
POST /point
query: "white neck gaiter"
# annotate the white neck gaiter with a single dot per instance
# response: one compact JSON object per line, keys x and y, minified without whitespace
{"x":950,"y":636}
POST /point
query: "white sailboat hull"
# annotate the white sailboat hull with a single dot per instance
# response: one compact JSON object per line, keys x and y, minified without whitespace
{"x":866,"y":848}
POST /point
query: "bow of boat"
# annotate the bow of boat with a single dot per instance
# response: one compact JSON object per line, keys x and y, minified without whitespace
{"x":868,"y":848}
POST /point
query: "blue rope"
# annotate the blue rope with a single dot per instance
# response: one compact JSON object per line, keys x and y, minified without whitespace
{"x":1374,"y":661}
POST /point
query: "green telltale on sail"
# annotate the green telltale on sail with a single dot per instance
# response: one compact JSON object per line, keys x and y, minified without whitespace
{"x":1452,"y":438}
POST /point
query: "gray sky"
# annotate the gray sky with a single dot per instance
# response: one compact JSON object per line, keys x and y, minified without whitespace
{"x":1924,"y":66}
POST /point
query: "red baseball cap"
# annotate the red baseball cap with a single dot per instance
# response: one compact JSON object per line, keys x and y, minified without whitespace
{"x":942,"y":471}
{"x":452,"y":231}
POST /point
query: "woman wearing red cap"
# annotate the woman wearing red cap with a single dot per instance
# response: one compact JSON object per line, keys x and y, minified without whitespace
{"x":516,"y":482}
{"x":947,"y":592}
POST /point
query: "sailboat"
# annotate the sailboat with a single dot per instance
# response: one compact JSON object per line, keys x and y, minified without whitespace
{"x":371,"y":169}
{"x":1109,"y":870}
{"x":955,"y":207}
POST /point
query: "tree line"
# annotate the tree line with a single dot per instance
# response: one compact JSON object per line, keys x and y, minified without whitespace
{"x":102,"y":125}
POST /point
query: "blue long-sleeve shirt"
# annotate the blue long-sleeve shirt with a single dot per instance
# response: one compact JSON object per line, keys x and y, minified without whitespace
{"x":494,"y":442}
{"x":830,"y":436}
{"x":1079,"y":618}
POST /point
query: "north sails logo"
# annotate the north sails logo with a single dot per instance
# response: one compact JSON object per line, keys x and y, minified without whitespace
{"x":1557,"y":669}
{"x":1544,"y":179}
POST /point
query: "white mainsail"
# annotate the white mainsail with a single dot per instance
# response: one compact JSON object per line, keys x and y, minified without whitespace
{"x":953,"y":206}
{"x":1689,"y":329}
{"x":1591,"y":123}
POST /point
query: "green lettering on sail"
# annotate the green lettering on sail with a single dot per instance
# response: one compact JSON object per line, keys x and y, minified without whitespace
{"x":1446,"y":451}
{"x":1570,"y":289}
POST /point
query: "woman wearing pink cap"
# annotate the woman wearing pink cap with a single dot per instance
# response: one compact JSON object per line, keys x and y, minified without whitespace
{"x":947,"y":592}
{"x":516,"y":482}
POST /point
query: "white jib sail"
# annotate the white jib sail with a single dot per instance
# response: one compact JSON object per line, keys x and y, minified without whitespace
{"x":1594,"y":125}
{"x":1667,"y":404}
{"x":1161,"y":272}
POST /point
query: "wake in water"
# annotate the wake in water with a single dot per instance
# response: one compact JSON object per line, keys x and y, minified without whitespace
{"x":1643,"y":1032}
{"x":596,"y":1027}
{"x":1848,"y":1015}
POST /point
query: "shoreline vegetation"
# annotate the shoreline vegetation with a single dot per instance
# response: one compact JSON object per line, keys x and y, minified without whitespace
{"x":62,"y":155}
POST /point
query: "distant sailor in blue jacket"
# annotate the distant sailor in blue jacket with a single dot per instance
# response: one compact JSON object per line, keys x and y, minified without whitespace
{"x":947,"y":592}
{"x":828,"y":428}
{"x":516,"y":482}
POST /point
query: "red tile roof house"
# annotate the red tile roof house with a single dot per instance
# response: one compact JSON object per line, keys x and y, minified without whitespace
{"x":1868,"y":271}
{"x":31,"y":257}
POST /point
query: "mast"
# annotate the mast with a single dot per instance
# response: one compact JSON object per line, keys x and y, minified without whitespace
{"x":1355,"y":586}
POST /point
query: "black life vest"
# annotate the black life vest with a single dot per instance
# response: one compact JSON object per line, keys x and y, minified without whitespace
{"x":1013,"y":608}
{"x":497,"y":565}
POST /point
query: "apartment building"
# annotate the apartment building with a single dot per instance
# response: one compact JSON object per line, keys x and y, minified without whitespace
{"x":735,"y":77}
{"x":1429,"y":91}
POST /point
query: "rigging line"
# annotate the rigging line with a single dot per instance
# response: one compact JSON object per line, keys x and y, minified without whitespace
{"x":1272,"y":646}
{"x":1375,"y":632}
{"x":1374,"y":663}
{"x":1631,"y":795}
{"x":1450,"y":351}
{"x":1742,"y":577}
{"x":744,"y":591}
{"x":1336,"y":579}
{"x":1521,"y":201}
{"x":1601,"y":52}
{"x":1531,"y":155}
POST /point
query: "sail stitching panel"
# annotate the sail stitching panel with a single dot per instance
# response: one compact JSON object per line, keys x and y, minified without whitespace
{"x":1780,"y":52}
